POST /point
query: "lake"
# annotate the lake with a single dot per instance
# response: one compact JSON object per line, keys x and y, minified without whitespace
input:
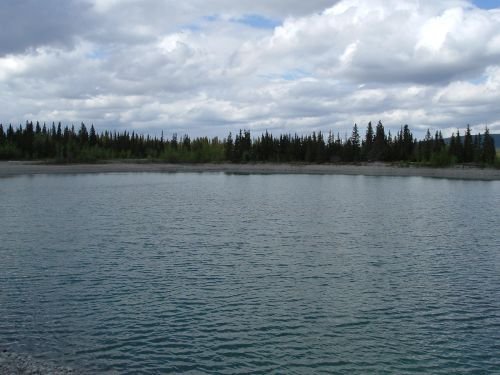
{"x":217,"y":273}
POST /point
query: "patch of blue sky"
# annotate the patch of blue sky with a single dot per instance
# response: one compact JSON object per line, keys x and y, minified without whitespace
{"x":211,"y":18}
{"x":487,"y":4}
{"x":257,"y":21}
{"x":96,"y":54}
{"x":295,"y":74}
{"x":479,"y":80}
{"x":192,"y":27}
{"x":289,"y":75}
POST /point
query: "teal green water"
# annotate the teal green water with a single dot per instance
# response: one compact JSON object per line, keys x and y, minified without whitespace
{"x":215,"y":273}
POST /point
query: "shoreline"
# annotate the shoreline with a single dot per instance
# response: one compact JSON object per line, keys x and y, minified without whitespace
{"x":26,"y":168}
{"x":15,"y":363}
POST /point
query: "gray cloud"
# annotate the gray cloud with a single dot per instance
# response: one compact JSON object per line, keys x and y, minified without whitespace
{"x":31,"y":23}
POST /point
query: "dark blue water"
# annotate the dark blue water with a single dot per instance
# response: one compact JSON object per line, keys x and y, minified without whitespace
{"x":214,"y":273}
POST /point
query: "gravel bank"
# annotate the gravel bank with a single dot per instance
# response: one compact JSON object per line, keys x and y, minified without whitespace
{"x":17,"y":364}
{"x":10,"y":169}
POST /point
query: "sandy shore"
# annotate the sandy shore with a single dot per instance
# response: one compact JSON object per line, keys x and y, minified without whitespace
{"x":11,"y":169}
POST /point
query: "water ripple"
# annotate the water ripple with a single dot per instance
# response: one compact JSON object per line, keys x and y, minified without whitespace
{"x":190,"y":273}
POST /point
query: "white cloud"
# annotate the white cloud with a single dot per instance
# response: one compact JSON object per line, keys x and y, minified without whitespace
{"x":11,"y":65}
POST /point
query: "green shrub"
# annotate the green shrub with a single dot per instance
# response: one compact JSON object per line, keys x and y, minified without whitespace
{"x":442,"y":159}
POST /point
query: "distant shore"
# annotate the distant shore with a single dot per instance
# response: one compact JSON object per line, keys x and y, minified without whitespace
{"x":12,"y":169}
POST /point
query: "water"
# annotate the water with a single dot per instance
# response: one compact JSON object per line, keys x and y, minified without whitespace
{"x":214,"y":273}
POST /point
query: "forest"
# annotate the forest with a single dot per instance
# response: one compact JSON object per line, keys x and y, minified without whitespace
{"x":69,"y":145}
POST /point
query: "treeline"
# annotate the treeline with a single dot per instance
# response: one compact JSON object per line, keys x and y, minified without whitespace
{"x":67,"y":144}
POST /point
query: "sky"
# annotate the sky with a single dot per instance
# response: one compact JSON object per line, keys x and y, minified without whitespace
{"x":205,"y":68}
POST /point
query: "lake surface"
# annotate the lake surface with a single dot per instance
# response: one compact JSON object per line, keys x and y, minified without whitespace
{"x":215,"y":273}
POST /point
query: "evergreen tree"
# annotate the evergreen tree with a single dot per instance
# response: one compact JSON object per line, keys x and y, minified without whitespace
{"x":186,"y":143}
{"x":242,"y":146}
{"x":427,"y":146}
{"x":92,"y":137}
{"x":237,"y":147}
{"x":356,"y":144}
{"x":478,"y":147}
{"x":453,"y":146}
{"x":407,"y":143}
{"x":174,"y":142}
{"x":59,"y":134}
{"x":28,"y":136}
{"x":10,"y":134}
{"x":229,"y":147}
{"x":459,"y":148}
{"x":438,"y":143}
{"x":368,"y":143}
{"x":379,"y":144}
{"x":53,"y":132}
{"x":83,"y":135}
{"x":468,"y":151}
{"x":320,"y":149}
{"x":489,"y":151}
{"x":456,"y":148}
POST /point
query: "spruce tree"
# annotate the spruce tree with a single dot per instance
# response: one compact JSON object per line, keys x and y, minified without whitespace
{"x":459,"y":148}
{"x":229,"y":147}
{"x":83,"y":135}
{"x":92,"y":136}
{"x":10,"y":134}
{"x":379,"y":144}
{"x":478,"y":147}
{"x":427,"y":146}
{"x":59,"y":132}
{"x":28,"y":136}
{"x":407,"y":143}
{"x":439,"y":143}
{"x":174,"y":142}
{"x":468,"y":146}
{"x":186,"y":143}
{"x":368,"y":143}
{"x":453,"y":146}
{"x":489,"y":151}
{"x":355,"y":142}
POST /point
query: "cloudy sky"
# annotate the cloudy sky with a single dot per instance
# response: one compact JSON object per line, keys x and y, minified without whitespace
{"x":206,"y":67}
